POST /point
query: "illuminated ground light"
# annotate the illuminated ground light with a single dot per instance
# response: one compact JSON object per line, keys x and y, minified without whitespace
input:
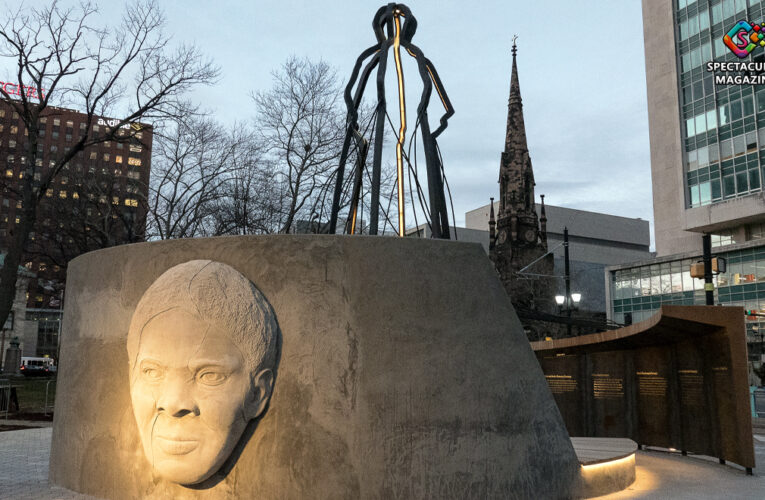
{"x":608,"y":477}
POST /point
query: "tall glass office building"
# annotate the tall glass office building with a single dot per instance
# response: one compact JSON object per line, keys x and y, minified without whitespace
{"x":723,"y":125}
{"x":707,"y":163}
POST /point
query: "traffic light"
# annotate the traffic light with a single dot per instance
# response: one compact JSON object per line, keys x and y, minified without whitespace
{"x":697,"y":270}
{"x":719,"y":264}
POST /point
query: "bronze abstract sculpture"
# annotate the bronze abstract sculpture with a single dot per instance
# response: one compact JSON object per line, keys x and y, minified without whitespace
{"x":391,"y":32}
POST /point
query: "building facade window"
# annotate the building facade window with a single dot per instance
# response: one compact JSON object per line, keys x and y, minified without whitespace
{"x":48,"y":327}
{"x":723,"y":126}
{"x":755,"y":232}
{"x":722,"y":238}
{"x":638,"y":292}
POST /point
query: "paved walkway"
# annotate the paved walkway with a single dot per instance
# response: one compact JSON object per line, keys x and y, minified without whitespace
{"x":24,"y":473}
{"x":24,"y":467}
{"x":662,"y":475}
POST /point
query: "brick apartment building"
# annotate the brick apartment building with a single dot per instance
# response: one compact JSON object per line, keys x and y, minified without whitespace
{"x":97,"y":200}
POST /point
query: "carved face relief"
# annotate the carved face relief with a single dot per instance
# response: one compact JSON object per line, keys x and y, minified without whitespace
{"x":192,"y":386}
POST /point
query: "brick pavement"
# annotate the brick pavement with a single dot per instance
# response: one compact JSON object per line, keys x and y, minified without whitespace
{"x":24,"y":473}
{"x":24,"y":467}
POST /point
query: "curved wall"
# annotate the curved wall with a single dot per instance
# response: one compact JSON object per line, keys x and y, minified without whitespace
{"x":677,"y":380}
{"x":403,"y":373}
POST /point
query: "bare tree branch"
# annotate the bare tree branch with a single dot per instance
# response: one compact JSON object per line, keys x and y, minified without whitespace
{"x":62,"y":58}
{"x":302,"y":123}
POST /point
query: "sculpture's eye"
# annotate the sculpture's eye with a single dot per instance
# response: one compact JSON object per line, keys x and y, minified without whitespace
{"x":152,"y":373}
{"x":209,"y":377}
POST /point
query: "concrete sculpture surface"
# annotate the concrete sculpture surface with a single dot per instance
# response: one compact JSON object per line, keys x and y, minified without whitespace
{"x":202,"y":349}
{"x":400,"y":370}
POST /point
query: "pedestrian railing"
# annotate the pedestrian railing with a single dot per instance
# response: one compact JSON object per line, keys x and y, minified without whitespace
{"x":47,"y":388}
{"x":5,"y":397}
{"x":759,"y":402}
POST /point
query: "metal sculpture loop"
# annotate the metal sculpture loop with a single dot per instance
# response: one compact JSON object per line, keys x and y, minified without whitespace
{"x":391,"y":32}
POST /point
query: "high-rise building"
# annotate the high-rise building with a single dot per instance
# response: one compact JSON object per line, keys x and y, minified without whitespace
{"x":707,"y":135}
{"x":707,"y":139}
{"x":97,"y":200}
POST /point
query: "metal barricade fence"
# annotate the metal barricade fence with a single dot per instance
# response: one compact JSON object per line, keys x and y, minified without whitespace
{"x":5,"y":397}
{"x":759,"y":402}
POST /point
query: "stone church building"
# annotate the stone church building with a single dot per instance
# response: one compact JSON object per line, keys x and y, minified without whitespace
{"x":518,"y":237}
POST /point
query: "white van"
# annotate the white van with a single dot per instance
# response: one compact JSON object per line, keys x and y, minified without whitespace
{"x":31,"y":366}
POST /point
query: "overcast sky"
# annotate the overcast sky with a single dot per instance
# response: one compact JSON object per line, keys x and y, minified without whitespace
{"x":581,"y":67}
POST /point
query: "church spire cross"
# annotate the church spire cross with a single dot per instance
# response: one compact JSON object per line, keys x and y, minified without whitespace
{"x":515,"y":135}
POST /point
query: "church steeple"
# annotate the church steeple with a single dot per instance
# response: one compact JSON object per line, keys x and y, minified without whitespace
{"x":516,"y":176}
{"x":519,"y":251}
{"x":515,"y":135}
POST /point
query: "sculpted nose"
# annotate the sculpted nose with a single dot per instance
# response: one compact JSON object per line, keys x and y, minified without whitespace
{"x":177,"y":398}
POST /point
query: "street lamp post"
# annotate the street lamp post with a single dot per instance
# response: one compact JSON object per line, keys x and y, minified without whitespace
{"x":567,"y":304}
{"x":568,"y":279}
{"x":571,"y":300}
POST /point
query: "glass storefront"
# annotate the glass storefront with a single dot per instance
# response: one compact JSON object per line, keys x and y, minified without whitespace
{"x":638,"y":292}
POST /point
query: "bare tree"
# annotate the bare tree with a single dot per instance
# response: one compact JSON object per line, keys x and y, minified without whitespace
{"x":129,"y":72}
{"x":193,"y":163}
{"x":302,"y":120}
{"x":252,"y":200}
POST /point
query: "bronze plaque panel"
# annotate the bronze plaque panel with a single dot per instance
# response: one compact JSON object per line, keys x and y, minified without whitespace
{"x":653,"y":367}
{"x":722,"y":399}
{"x":609,"y":398}
{"x":695,"y":410}
{"x":563,"y":374}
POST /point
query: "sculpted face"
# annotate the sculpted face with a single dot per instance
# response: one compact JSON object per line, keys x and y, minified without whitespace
{"x":193,"y":391}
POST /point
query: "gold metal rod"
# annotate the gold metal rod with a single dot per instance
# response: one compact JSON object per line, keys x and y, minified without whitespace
{"x":438,"y":89}
{"x":402,"y":129}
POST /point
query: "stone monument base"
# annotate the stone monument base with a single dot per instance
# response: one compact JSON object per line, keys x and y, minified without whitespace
{"x":403,"y":373}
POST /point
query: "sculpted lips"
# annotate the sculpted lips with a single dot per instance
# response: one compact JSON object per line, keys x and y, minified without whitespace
{"x":173,"y":446}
